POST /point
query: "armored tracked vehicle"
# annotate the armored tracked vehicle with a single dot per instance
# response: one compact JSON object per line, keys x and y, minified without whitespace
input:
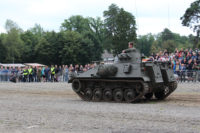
{"x":127,"y":79}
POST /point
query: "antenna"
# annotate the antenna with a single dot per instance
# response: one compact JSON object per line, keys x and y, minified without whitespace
{"x":168,"y":14}
{"x":136,"y":17}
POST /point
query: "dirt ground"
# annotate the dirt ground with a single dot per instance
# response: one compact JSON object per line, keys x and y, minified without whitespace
{"x":55,"y":108}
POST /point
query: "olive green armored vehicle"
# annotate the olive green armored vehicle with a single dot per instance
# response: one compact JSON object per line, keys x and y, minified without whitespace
{"x":127,"y":79}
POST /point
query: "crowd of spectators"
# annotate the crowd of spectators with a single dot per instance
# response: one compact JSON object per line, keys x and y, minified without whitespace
{"x":41,"y":74}
{"x":185,"y":62}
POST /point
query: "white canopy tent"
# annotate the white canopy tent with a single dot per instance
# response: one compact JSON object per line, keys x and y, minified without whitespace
{"x":34,"y":64}
{"x":12,"y":65}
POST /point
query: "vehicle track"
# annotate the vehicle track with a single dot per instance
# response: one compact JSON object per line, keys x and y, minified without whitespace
{"x":54,"y":107}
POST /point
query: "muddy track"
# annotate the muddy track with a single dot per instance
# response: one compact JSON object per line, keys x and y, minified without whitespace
{"x":54,"y":107}
{"x":187,"y":97}
{"x":38,"y":93}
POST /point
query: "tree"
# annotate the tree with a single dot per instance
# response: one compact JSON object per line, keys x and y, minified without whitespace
{"x":170,"y":45}
{"x":191,"y":17}
{"x":43,"y":51}
{"x":95,"y":35}
{"x":30,"y":41}
{"x":120,"y":27}
{"x":13,"y":42}
{"x":110,"y":18}
{"x":37,"y":30}
{"x":10,"y":25}
{"x":55,"y":45}
{"x":75,"y":23}
{"x":169,"y":40}
{"x":97,"y":27}
{"x":90,"y":30}
{"x":75,"y":48}
{"x":167,"y":35}
{"x":144,"y":43}
{"x":3,"y":49}
{"x":155,"y":48}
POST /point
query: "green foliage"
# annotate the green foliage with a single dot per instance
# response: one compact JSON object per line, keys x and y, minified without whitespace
{"x":82,"y":40}
{"x":13,"y":42}
{"x":170,"y":45}
{"x":149,"y":44}
{"x":198,"y":45}
{"x":97,"y":36}
{"x":43,"y":51}
{"x":11,"y":25}
{"x":75,"y":49}
{"x":30,"y":40}
{"x":91,"y":31}
{"x":120,"y":28}
{"x":191,"y":17}
{"x":3,"y":49}
{"x":75,"y":23}
{"x":55,"y":46}
{"x":37,"y":30}
{"x":97,"y":27}
{"x":169,"y":40}
{"x":110,"y":19}
{"x":144,"y":43}
{"x":167,"y":35}
{"x":155,"y":48}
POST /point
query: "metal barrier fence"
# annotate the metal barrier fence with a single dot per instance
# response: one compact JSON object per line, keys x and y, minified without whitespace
{"x":5,"y":77}
{"x":18,"y":77}
{"x":8,"y":76}
{"x":188,"y":76}
{"x":181,"y":76}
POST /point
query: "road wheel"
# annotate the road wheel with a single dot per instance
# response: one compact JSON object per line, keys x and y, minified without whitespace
{"x":148,"y":96}
{"x":97,"y":94}
{"x":129,"y":95}
{"x":107,"y":95}
{"x":76,"y":85}
{"x":118,"y":95}
{"x":139,"y":88}
{"x":88,"y":94}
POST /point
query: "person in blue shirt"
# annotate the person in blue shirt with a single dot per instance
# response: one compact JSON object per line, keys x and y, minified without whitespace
{"x":66,"y":73}
{"x":9,"y":74}
{"x":182,"y":72}
{"x":5,"y":74}
{"x":194,"y":56}
{"x":43,"y":74}
{"x":47,"y":72}
{"x":1,"y":69}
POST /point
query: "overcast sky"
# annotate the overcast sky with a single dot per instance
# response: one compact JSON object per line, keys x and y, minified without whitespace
{"x":152,"y":16}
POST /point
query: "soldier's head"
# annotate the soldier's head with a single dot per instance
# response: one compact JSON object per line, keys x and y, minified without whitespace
{"x":130,"y":45}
